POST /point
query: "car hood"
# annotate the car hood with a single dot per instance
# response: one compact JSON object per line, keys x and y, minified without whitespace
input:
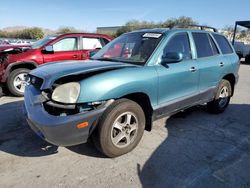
{"x":52,"y":71}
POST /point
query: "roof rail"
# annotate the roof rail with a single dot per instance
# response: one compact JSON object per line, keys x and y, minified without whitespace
{"x":201,"y":27}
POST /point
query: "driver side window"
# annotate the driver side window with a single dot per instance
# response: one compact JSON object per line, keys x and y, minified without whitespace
{"x":66,"y":44}
{"x":179,"y":43}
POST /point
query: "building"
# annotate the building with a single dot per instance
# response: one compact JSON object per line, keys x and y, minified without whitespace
{"x":106,"y":30}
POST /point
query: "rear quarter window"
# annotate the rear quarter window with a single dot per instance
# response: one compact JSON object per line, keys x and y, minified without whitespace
{"x":223,"y":44}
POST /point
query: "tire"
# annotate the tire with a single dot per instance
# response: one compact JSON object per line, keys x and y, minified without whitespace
{"x":240,"y":55}
{"x":17,"y":76}
{"x":222,"y":98}
{"x":247,"y":59}
{"x":106,"y":135}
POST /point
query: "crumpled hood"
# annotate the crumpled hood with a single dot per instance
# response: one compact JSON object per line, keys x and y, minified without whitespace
{"x":50,"y":72}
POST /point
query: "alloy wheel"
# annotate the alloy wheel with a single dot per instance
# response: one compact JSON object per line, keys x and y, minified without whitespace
{"x":124,"y":129}
{"x":224,"y":96}
{"x":19,"y":82}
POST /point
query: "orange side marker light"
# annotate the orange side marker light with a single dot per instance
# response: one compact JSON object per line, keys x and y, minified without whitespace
{"x":82,"y":125}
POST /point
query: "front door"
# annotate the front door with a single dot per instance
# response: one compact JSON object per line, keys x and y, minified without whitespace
{"x":178,"y":82}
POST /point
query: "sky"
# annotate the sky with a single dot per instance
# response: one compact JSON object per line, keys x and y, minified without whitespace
{"x":89,"y":14}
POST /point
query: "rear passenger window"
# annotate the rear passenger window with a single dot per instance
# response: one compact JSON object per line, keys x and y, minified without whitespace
{"x":205,"y":45}
{"x":223,"y":44}
{"x":179,"y":43}
{"x":91,"y":43}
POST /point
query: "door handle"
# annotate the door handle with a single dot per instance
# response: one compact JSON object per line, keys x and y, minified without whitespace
{"x":221,"y":64}
{"x":74,"y":56}
{"x":193,"y":69}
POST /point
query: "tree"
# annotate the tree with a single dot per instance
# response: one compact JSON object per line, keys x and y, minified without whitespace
{"x":3,"y":34}
{"x":183,"y":20}
{"x":228,"y":31}
{"x":63,"y":30}
{"x":36,"y":33}
{"x":30,"y":33}
{"x":243,"y":34}
{"x":135,"y":24}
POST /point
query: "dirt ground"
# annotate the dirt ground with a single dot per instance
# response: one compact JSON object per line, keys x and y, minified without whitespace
{"x":192,"y":149}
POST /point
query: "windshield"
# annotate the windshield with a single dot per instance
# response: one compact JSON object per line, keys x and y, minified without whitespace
{"x":43,"y":41}
{"x":130,"y":48}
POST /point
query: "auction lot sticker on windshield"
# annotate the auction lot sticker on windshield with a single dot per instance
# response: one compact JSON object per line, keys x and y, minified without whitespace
{"x":152,"y":35}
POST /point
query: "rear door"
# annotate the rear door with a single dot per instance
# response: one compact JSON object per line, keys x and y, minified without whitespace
{"x":210,"y":63}
{"x":65,"y":49}
{"x":225,"y":48}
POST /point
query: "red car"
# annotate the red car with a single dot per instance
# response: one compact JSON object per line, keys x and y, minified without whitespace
{"x":15,"y":64}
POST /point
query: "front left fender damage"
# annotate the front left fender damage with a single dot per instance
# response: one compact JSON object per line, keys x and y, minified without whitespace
{"x":59,"y":123}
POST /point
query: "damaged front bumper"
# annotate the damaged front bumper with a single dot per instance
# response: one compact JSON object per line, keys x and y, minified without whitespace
{"x":3,"y":64}
{"x":59,"y":130}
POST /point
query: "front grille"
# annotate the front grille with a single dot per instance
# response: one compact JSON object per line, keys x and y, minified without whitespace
{"x":35,"y":81}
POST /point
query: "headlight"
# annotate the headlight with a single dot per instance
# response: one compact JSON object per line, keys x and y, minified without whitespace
{"x":67,"y":93}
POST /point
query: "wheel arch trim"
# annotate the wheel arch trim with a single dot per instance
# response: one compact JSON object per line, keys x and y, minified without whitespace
{"x":20,"y":64}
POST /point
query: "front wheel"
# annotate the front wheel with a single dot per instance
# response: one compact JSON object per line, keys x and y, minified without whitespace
{"x":222,"y":98}
{"x":17,"y":81}
{"x":120,"y":128}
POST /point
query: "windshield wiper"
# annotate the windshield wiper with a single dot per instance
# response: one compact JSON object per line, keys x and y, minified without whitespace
{"x":118,"y":60}
{"x":104,"y":59}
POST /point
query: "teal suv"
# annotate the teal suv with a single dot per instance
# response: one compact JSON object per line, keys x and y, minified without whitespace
{"x":135,"y":79}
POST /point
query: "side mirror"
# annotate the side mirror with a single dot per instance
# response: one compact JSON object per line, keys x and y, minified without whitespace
{"x":48,"y":50}
{"x":172,"y":57}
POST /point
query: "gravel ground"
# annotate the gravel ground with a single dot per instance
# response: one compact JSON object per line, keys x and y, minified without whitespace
{"x":191,"y":149}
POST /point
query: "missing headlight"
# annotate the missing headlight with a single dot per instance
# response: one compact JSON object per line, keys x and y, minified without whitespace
{"x":58,"y":109}
{"x":62,"y":109}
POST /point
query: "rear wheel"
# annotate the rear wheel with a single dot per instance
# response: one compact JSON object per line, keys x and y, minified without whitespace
{"x":247,"y":59}
{"x":17,"y":81}
{"x":120,"y":128}
{"x":222,"y":98}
